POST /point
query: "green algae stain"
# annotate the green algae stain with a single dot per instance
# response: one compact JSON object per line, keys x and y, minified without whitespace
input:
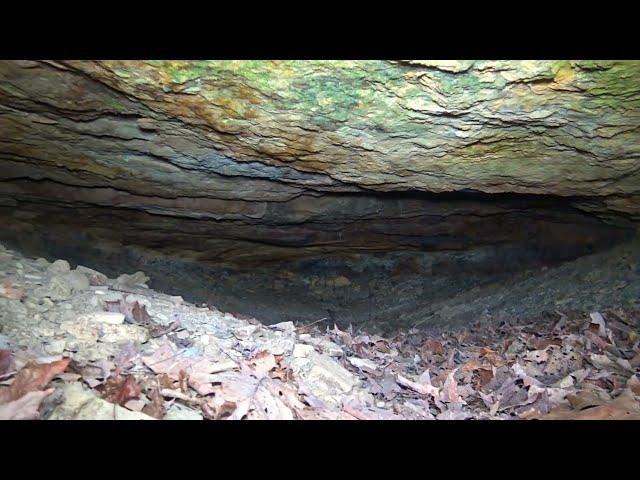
{"x":122,"y":73}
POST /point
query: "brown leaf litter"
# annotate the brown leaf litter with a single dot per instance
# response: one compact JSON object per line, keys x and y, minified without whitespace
{"x":565,"y":365}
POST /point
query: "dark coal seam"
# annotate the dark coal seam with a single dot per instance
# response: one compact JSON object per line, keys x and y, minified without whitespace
{"x":325,"y":227}
{"x":69,"y":115}
{"x":479,"y":197}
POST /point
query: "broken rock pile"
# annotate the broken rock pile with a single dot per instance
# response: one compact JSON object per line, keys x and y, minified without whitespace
{"x":75,"y":344}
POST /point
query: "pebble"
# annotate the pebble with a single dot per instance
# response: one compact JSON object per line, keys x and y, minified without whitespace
{"x":95,"y":278}
{"x":58,"y":289}
{"x":176,"y":300}
{"x":363,"y":363}
{"x":180,"y":412}
{"x":245,"y":332}
{"x":42,"y":262}
{"x":59,"y":266}
{"x":77,"y":280}
{"x":301,"y":350}
{"x":55,"y":347}
{"x":133,"y":280}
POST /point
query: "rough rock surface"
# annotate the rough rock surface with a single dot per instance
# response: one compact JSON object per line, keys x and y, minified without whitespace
{"x":551,"y":127}
{"x":282,"y":143}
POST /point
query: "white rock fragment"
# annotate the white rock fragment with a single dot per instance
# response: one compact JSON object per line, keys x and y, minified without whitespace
{"x":302,"y":351}
{"x":566,"y":382}
{"x":363,"y":364}
{"x":55,"y":347}
{"x":112,"y":318}
{"x":135,"y":404}
{"x":112,"y":297}
{"x":330,"y":348}
{"x":90,"y":328}
{"x":123,"y":334}
{"x":176,"y":300}
{"x":287,"y":327}
{"x":80,"y":331}
{"x":244,"y":333}
{"x":327,"y":379}
{"x":180,"y":412}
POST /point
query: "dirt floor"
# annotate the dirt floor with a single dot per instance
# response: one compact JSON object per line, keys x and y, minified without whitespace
{"x":75,"y":344}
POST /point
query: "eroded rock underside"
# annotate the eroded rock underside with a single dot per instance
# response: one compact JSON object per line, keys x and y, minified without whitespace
{"x":378,"y":193}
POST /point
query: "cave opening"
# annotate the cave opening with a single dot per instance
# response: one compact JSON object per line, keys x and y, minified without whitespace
{"x":319,"y":239}
{"x":376,"y":261}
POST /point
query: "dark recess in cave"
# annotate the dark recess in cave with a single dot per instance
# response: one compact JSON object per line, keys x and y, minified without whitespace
{"x":392,"y":269}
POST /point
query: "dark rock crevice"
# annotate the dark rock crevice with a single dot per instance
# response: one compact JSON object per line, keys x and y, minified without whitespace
{"x":380,"y":260}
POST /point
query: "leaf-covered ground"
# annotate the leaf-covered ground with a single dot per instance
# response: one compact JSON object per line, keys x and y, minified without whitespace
{"x":77,"y":345}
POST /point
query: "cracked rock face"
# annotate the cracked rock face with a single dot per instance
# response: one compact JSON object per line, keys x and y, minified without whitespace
{"x":548,"y":127}
{"x":312,"y":169}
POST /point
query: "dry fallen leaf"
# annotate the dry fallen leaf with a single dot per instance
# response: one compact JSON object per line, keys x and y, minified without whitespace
{"x":430,"y":347}
{"x":263,"y":362}
{"x":120,"y":389}
{"x":624,"y":407}
{"x":449,"y":391}
{"x":261,"y":404}
{"x":32,"y":377}
{"x":634,"y":384}
{"x":155,"y":409}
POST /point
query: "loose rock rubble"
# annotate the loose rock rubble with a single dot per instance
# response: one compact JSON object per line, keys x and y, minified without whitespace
{"x":75,"y":344}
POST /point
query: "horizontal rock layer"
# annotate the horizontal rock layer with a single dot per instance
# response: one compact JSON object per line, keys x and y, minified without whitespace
{"x":272,"y":131}
{"x":314,"y":168}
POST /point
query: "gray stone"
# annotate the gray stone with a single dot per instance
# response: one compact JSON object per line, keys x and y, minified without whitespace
{"x":77,"y":280}
{"x":95,"y":278}
{"x":133,"y":280}
{"x":59,"y":289}
{"x":81,"y":404}
{"x":112,"y":318}
{"x":180,"y":412}
{"x":59,"y":266}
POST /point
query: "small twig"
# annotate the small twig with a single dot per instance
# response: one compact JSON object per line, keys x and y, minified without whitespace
{"x":165,"y":392}
{"x":312,"y":324}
